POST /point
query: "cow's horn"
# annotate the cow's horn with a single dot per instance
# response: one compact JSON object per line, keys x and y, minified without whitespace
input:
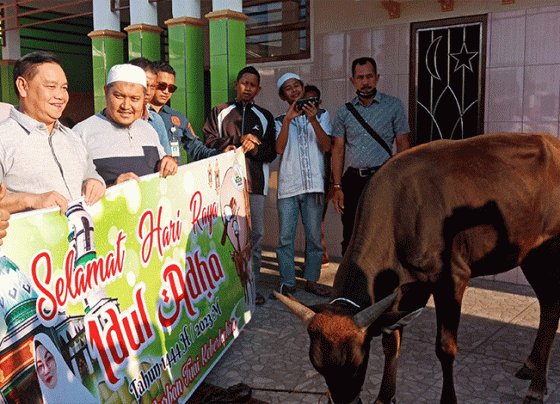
{"x":367,"y":316}
{"x":304,"y":313}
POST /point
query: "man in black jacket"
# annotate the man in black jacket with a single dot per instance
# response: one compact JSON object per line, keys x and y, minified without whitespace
{"x":243,"y":124}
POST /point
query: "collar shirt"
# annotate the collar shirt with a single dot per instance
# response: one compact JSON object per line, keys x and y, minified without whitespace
{"x":385,"y":115}
{"x":36,"y":162}
{"x":156,"y":121}
{"x":302,"y":165}
{"x":116,"y":150}
{"x":179,"y":127}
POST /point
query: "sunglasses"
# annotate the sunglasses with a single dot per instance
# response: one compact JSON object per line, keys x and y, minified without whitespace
{"x":170,"y":87}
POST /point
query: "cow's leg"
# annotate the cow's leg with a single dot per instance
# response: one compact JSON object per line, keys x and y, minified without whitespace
{"x":391,"y":348}
{"x":546,"y":285}
{"x":540,"y":354}
{"x":448,"y":300}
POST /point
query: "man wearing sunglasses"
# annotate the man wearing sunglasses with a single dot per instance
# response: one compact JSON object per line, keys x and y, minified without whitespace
{"x":179,"y":129}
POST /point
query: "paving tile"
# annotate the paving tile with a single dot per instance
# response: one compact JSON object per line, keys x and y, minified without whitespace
{"x":496,"y":332}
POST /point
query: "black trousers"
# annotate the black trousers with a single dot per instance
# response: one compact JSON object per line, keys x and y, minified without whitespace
{"x":353,"y":183}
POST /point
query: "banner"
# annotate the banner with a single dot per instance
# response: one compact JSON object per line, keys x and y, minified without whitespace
{"x":132,"y":300}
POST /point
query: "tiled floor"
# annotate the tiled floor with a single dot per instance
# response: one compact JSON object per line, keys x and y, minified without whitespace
{"x":498,"y":325}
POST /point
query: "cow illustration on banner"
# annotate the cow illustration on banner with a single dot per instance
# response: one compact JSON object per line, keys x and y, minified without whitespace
{"x":133,"y":299}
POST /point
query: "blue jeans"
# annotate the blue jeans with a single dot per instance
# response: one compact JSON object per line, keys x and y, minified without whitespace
{"x":310,"y":206}
{"x":256,"y":203}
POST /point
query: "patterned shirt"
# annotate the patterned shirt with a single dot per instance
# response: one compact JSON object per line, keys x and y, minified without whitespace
{"x":302,"y":165}
{"x":385,"y":115}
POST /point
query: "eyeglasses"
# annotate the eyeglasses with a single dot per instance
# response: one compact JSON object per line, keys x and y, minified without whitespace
{"x":170,"y":87}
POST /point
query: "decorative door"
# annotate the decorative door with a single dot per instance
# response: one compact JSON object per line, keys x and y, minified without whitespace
{"x":448,"y":59}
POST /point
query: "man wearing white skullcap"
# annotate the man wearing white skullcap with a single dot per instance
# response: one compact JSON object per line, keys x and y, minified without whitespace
{"x":42,"y":162}
{"x":302,"y":138}
{"x":122,"y":145}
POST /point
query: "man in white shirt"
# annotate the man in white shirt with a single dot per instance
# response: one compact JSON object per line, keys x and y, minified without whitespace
{"x":43,"y":163}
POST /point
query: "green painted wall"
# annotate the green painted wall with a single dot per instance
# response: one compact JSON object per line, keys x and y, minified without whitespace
{"x":68,"y":39}
{"x":185,"y":43}
{"x":7,"y":90}
{"x":227,"y":57}
{"x":107,"y":52}
{"x":144,"y":44}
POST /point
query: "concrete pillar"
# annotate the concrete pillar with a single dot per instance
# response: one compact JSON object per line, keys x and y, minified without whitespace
{"x":186,"y":56}
{"x":227,"y":50}
{"x":106,"y":46}
{"x":143,"y":31}
{"x":10,"y":53}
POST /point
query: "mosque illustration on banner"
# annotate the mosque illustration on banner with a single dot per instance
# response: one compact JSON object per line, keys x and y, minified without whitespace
{"x":20,"y":382}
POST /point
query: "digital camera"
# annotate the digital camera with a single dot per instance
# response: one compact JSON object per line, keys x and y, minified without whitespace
{"x":311,"y":100}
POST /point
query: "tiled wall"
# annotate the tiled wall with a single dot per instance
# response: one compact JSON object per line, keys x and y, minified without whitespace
{"x":522,"y":85}
{"x":523,"y":75}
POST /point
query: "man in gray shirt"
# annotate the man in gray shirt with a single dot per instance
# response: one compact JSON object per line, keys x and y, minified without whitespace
{"x":43,"y":163}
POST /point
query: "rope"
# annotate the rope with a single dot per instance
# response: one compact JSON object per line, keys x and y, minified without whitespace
{"x":291,"y":391}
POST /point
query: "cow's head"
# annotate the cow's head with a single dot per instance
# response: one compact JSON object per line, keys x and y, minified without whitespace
{"x":340,"y":343}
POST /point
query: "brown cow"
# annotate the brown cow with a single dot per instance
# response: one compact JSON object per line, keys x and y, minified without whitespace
{"x":429,"y":220}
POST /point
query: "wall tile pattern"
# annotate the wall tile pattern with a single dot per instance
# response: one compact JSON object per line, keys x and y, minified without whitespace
{"x":522,"y":84}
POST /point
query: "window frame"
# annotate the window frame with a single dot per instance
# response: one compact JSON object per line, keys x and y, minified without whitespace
{"x":304,"y":56}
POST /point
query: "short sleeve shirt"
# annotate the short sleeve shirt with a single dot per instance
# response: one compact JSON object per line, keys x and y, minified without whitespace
{"x":117,"y":150}
{"x":385,"y":115}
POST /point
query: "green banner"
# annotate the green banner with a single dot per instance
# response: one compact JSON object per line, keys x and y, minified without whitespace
{"x":131,"y":300}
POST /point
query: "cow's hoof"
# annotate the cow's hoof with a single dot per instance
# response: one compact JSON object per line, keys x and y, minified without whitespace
{"x":525,"y":373}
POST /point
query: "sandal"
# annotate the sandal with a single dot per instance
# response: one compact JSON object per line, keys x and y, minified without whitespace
{"x":259,"y":299}
{"x":316,"y":289}
{"x":284,"y":290}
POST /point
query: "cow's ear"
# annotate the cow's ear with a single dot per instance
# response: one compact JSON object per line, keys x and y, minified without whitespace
{"x":414,"y":295}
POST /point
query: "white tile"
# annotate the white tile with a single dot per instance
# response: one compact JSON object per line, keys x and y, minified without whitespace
{"x":333,"y":56}
{"x":402,"y":89}
{"x":541,"y":127}
{"x":500,"y":127}
{"x":506,"y":37}
{"x":542,"y":10}
{"x":358,"y":44}
{"x":309,"y":74}
{"x":504,"y":94}
{"x":543,"y":39}
{"x":317,"y":65}
{"x":387,"y":42}
{"x":541,"y":93}
{"x":333,"y":95}
{"x":507,"y":14}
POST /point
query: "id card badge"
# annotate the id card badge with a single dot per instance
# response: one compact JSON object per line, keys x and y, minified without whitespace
{"x":175,"y":152}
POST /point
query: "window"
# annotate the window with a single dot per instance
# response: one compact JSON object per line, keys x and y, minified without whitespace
{"x":277,"y":30}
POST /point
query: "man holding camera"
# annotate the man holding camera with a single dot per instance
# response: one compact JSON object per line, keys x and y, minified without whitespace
{"x":302,"y":139}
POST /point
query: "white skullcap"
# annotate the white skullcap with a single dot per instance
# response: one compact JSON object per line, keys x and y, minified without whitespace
{"x":128,"y":73}
{"x":287,"y":77}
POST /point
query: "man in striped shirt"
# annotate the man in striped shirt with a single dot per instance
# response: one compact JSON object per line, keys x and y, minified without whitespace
{"x":355,"y":148}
